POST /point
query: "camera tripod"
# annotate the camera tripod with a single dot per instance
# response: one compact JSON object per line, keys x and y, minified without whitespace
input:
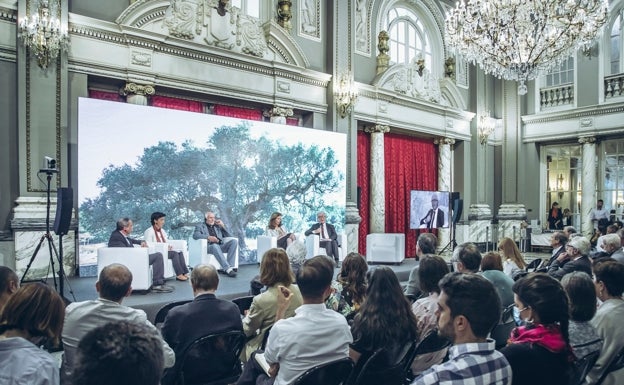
{"x":51,"y":247}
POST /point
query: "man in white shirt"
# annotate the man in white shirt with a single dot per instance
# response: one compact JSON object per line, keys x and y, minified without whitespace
{"x":599,"y":213}
{"x":113,"y":285}
{"x":314,"y":336}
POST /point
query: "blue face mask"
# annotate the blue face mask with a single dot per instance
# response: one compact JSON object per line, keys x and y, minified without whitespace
{"x":516,"y":316}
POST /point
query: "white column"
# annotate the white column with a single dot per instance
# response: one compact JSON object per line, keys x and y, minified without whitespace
{"x":377,"y":179}
{"x":445,"y":162}
{"x":137,"y":93}
{"x":588,"y":201}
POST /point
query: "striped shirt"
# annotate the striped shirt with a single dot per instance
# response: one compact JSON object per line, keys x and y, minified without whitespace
{"x":469,"y":364}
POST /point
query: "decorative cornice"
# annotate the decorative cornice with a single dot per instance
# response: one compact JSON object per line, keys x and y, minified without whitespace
{"x":377,"y":129}
{"x":596,"y":110}
{"x":8,"y":14}
{"x":587,"y":140}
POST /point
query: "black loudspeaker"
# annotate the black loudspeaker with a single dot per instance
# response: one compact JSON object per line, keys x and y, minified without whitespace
{"x":359,"y":197}
{"x":454,"y":197}
{"x":458,"y":207}
{"x":64,"y":205}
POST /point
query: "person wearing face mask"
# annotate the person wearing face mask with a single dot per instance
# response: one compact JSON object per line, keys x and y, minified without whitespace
{"x":539,"y":352}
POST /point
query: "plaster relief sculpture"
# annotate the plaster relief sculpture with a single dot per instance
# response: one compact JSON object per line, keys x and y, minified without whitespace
{"x":361,"y":26}
{"x":309,"y":18}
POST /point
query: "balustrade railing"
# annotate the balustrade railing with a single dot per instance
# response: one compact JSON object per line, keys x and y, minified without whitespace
{"x":557,"y":96}
{"x":613,"y":86}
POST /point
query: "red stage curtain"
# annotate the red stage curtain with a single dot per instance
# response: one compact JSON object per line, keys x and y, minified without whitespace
{"x":176,"y":103}
{"x":363,"y":175}
{"x":410,"y":164}
{"x":106,"y":95}
{"x":237,"y":112}
{"x":292,"y":121}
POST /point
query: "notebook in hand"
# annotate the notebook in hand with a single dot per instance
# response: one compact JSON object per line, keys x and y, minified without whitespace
{"x":263,"y":363}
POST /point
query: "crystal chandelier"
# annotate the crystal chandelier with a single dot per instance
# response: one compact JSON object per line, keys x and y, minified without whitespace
{"x":42,"y":34}
{"x":517,"y":39}
{"x":345,"y":93}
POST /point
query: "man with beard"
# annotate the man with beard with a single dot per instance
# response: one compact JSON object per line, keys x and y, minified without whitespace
{"x":468,"y":309}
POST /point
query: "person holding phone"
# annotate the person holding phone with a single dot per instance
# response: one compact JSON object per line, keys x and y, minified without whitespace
{"x":215,"y":232}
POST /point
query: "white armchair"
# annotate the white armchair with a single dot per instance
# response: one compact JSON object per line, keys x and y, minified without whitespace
{"x":198,"y":253}
{"x":313,"y":246}
{"x":385,"y":247}
{"x":177,"y":245}
{"x":136,"y":259}
{"x":265,"y":243}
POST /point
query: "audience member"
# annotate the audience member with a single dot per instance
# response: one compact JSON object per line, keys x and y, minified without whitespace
{"x":113,"y":285}
{"x":31,"y":317}
{"x":328,"y":236}
{"x":581,"y":292}
{"x":612,"y":229}
{"x":570,"y":232}
{"x":431,"y":270}
{"x":385,"y":321}
{"x":566,"y":220}
{"x":612,"y":246}
{"x":558,"y":240}
{"x":468,"y":309}
{"x":156,"y":234}
{"x":555,"y":218}
{"x":215,"y":232}
{"x":466,"y":258}
{"x":119,"y":353}
{"x":609,"y":282}
{"x":275,"y":229}
{"x":599,"y":215}
{"x":513,"y":262}
{"x":205,"y":315}
{"x":576,"y":259}
{"x":349,"y":288}
{"x":539,"y":352}
{"x":314,"y":336}
{"x":492,"y":270}
{"x":274,"y":271}
{"x":121,"y":238}
{"x":9,"y":283}
{"x":620,"y":233}
{"x":426,"y":244}
{"x":297,"y":253}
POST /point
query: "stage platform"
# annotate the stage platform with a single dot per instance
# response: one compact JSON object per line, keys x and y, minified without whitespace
{"x":83,"y":288}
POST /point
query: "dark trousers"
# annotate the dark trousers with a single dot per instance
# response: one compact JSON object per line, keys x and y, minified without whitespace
{"x":253,"y":374}
{"x":178,"y":262}
{"x":158,"y":268}
{"x":331,"y":248}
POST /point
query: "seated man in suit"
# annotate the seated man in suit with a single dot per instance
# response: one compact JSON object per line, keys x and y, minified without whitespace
{"x":314,"y":336}
{"x":121,"y":238}
{"x":214,"y":231}
{"x":327,"y":232}
{"x":435,"y":216}
{"x":205,"y":315}
{"x":558,"y":241}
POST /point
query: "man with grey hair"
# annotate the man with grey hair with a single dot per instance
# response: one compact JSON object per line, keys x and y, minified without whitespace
{"x":435,"y":216}
{"x":612,"y":245}
{"x":328,"y":236}
{"x":203,"y":316}
{"x":214,"y":231}
{"x":568,"y":231}
{"x":113,"y":285}
{"x":577,"y":256}
{"x":296,"y":255}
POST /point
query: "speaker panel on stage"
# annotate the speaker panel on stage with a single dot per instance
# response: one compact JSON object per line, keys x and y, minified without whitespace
{"x":64,"y":206}
{"x":458,"y":207}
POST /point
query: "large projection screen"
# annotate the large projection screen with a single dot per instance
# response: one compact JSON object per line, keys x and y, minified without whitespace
{"x":429,"y":209}
{"x":134,"y":160}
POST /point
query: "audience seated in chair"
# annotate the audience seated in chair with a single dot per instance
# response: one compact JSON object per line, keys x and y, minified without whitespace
{"x":314,"y":336}
{"x":214,"y":231}
{"x":328,"y":236}
{"x":349,"y":288}
{"x":426,"y":244}
{"x":274,"y":271}
{"x":385,"y":321}
{"x":31,"y":316}
{"x":113,"y":285}
{"x":119,"y":353}
{"x":9,"y":283}
{"x":156,"y":234}
{"x":469,"y":308}
{"x":275,"y":229}
{"x":205,"y":315}
{"x":296,"y":255}
{"x":431,"y":270}
{"x":513,"y":262}
{"x":576,"y":258}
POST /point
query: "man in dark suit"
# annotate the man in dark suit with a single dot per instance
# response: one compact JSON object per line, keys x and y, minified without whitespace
{"x":328,"y":236}
{"x":214,"y":231}
{"x":435,"y":216}
{"x":557,"y":242}
{"x":205,"y":315}
{"x":121,"y":238}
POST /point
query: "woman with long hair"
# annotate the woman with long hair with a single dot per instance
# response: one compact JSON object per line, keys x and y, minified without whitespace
{"x":349,"y":288}
{"x":609,"y":283}
{"x":385,"y":319}
{"x":275,"y":229}
{"x":32,"y":317}
{"x":274,"y":270}
{"x":513,"y":262}
{"x":539,"y":352}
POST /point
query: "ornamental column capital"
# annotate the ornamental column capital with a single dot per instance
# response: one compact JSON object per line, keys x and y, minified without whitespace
{"x":278,"y":111}
{"x":137,"y":89}
{"x":377,"y":128}
{"x":441,"y":141}
{"x":587,"y":140}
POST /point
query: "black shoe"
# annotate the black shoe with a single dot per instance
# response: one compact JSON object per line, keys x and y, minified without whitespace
{"x":231,"y":273}
{"x":162,"y":289}
{"x":221,"y":271}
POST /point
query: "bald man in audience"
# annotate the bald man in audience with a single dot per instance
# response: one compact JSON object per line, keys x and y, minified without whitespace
{"x":203,"y":316}
{"x":113,"y":285}
{"x":426,"y":244}
{"x":9,"y":283}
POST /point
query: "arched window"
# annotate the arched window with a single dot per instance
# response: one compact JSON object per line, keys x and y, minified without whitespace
{"x":408,"y":37}
{"x":563,"y":74}
{"x":615,"y":45}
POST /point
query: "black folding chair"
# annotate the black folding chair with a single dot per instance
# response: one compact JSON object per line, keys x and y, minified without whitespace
{"x":582,"y":366}
{"x":384,"y":367}
{"x":163,"y":311}
{"x":330,"y":373}
{"x":212,"y":360}
{"x":243,"y":303}
{"x":502,"y":331}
